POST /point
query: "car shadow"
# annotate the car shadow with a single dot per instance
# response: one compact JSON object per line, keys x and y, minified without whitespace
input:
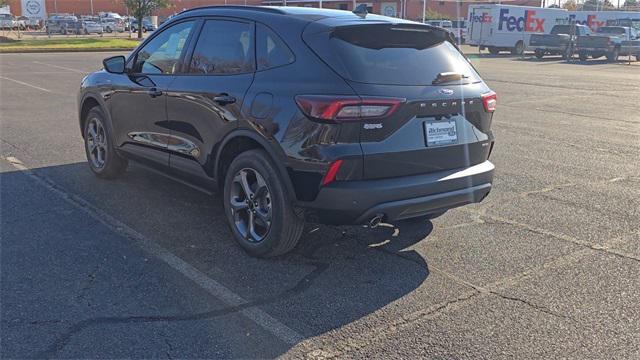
{"x":337,"y":274}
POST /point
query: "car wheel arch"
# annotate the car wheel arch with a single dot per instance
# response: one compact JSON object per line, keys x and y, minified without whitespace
{"x":90,"y":101}
{"x":241,"y":140}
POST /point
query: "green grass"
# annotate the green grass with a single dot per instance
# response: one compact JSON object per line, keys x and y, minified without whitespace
{"x":68,"y":44}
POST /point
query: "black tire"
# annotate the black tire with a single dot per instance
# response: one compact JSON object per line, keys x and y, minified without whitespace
{"x":539,"y":53}
{"x":567,"y":54}
{"x":583,"y":56}
{"x":493,"y":51}
{"x":613,"y":55}
{"x":285,"y":228}
{"x":518,"y":49}
{"x":114,"y":164}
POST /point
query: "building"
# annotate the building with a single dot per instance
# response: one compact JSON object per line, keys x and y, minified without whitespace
{"x":409,"y":9}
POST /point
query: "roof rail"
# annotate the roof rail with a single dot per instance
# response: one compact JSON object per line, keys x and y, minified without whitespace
{"x":236,"y":7}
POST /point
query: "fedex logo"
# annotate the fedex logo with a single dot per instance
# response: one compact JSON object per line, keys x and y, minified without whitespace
{"x":527,"y":23}
{"x":483,"y":18}
{"x":591,"y":21}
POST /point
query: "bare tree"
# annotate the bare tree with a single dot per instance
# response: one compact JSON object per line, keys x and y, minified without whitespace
{"x":141,"y":8}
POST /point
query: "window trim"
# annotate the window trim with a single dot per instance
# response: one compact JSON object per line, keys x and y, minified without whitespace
{"x":134,"y":56}
{"x":192,"y":47}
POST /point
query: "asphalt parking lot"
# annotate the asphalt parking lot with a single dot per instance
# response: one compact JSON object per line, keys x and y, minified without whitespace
{"x":548,"y":266}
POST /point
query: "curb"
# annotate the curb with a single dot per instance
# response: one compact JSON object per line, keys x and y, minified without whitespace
{"x":54,"y":50}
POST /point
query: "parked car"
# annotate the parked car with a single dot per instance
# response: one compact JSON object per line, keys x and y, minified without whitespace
{"x":65,"y":26}
{"x":146,"y":26}
{"x":92,"y":27}
{"x":297,"y":114}
{"x":561,"y":40}
{"x":111,"y":24}
{"x":459,"y":29}
{"x":10,"y":22}
{"x":31,"y":23}
{"x":609,"y":41}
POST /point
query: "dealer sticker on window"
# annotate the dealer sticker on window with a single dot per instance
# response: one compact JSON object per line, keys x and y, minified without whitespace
{"x":441,"y":132}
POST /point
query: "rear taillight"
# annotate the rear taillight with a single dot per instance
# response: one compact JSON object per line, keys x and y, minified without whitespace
{"x":490,"y":100}
{"x":346,"y":108}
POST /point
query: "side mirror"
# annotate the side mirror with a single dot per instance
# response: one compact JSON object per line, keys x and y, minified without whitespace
{"x":114,"y":64}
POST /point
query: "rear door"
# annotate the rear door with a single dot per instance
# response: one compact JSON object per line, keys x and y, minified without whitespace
{"x":442,"y":123}
{"x":205,"y":101}
{"x":480,"y":23}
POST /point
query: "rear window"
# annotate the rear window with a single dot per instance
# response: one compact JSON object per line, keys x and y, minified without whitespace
{"x":561,"y":29}
{"x":388,"y":54}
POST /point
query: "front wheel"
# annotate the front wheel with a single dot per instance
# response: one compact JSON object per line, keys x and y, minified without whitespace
{"x":539,"y":53}
{"x":493,"y":51}
{"x":104,"y":161}
{"x":258,"y":208}
{"x":583,"y":56}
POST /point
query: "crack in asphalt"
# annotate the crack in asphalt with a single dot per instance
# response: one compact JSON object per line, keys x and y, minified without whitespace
{"x":301,"y":286}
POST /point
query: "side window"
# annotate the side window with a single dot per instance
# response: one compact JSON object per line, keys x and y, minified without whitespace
{"x":223,"y":47}
{"x":162,"y":54}
{"x":271,"y":50}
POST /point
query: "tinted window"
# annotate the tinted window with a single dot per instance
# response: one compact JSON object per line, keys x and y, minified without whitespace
{"x":611,"y":30}
{"x":162,"y":54}
{"x":271,"y":50}
{"x":388,"y":54}
{"x":224,"y":47}
{"x":561,"y":29}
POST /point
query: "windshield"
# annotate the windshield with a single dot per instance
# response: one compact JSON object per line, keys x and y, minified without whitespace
{"x":388,"y":54}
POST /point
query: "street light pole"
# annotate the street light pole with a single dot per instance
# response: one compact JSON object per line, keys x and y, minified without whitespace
{"x":424,"y":10}
{"x":91,"y":7}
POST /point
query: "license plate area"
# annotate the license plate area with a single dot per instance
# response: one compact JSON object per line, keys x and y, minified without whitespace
{"x":440,"y":133}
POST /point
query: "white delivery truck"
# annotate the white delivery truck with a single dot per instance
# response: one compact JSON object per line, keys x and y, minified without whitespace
{"x":508,"y":27}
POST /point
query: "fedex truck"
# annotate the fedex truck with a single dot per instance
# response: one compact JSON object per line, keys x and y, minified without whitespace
{"x":508,"y":27}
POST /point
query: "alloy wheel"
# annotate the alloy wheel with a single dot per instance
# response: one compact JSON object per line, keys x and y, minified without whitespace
{"x":96,"y":143}
{"x":251,"y":205}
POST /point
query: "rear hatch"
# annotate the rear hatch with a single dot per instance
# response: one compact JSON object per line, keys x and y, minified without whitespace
{"x":441,"y":122}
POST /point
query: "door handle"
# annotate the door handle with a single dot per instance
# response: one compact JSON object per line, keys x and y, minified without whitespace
{"x":224,"y":99}
{"x":153,"y":92}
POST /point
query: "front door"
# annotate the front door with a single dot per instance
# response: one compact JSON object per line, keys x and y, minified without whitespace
{"x":138,"y":102}
{"x":205,"y":101}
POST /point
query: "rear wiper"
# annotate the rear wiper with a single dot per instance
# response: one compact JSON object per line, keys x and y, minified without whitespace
{"x":444,"y":77}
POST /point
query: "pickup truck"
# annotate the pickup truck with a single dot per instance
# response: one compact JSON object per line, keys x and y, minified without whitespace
{"x":560,"y":41}
{"x":611,"y":41}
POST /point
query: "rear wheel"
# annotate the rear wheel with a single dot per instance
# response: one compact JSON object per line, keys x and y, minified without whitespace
{"x":102,"y":157}
{"x":518,"y":49}
{"x":539,"y":53}
{"x":493,"y":51}
{"x":567,"y":54}
{"x":258,"y":208}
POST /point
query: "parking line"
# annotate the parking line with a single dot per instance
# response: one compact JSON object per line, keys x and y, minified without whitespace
{"x":61,"y":67}
{"x":25,"y":84}
{"x":216,"y":289}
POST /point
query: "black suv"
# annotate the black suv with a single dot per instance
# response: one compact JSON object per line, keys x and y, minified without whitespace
{"x":297,"y":114}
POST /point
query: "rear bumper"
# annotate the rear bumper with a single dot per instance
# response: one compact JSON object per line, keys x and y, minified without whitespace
{"x":356,"y":202}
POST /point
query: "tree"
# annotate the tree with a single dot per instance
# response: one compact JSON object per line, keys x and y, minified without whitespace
{"x":597,"y":5}
{"x":570,"y":5}
{"x":141,"y":8}
{"x":4,"y":3}
{"x":627,"y":3}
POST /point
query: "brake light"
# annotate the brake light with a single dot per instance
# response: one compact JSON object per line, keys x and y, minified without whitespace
{"x":330,"y":176}
{"x":490,"y":100}
{"x":346,"y":108}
